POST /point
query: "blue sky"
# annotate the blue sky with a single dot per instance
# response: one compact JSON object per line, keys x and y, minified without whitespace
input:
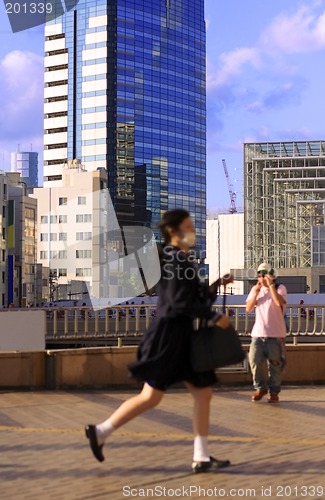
{"x":265,"y":70}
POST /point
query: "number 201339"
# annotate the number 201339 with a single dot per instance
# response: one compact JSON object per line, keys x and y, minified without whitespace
{"x":25,"y":8}
{"x":299,"y":491}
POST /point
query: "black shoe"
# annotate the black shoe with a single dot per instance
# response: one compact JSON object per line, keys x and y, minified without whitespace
{"x":213,"y":465}
{"x":93,"y":443}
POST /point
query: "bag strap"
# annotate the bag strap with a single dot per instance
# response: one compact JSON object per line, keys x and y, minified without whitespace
{"x":224,"y":300}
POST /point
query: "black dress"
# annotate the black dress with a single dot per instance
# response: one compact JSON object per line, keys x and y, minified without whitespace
{"x":163,"y":356}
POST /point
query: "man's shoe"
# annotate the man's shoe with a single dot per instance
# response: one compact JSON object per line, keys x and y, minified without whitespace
{"x":273,"y":398}
{"x":93,"y":443}
{"x":259,"y":394}
{"x":212,"y":466}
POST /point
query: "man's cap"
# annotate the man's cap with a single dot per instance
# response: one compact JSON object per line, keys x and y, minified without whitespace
{"x":264,"y":267}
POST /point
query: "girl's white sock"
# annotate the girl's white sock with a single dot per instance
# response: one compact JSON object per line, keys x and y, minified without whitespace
{"x":201,"y":449}
{"x":104,"y":430}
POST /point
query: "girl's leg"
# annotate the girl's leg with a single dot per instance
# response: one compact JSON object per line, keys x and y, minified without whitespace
{"x":202,"y":462}
{"x":148,"y":398}
{"x":97,"y":434}
{"x":201,"y":417}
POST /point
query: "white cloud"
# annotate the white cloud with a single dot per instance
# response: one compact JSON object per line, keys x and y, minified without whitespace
{"x":255,"y":107}
{"x":231,"y":66}
{"x":21,"y":97}
{"x":303,"y":31}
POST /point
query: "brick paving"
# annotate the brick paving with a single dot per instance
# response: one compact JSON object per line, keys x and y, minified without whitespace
{"x":44,"y":453}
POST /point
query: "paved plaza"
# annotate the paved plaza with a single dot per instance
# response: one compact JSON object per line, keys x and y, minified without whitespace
{"x":276,"y":450}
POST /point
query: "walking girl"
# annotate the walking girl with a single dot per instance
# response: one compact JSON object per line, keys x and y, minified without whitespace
{"x":163,"y":357}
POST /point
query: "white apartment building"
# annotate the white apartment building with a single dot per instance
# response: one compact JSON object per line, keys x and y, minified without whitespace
{"x":89,"y":98}
{"x":225,"y":247}
{"x":72,"y":227}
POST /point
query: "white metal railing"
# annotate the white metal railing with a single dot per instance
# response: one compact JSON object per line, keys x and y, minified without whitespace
{"x":85,"y":323}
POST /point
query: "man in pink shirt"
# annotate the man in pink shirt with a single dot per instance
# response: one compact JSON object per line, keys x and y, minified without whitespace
{"x":268,"y":333}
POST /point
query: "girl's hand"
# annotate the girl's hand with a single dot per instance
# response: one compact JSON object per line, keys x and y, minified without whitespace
{"x":226,"y":279}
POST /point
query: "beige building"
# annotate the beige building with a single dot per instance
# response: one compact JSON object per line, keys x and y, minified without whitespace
{"x":3,"y":238}
{"x":21,"y":243}
{"x":225,"y":247}
{"x":73,"y":230}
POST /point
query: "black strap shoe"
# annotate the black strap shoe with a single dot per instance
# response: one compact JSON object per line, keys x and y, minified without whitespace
{"x":93,"y":443}
{"x":212,"y":466}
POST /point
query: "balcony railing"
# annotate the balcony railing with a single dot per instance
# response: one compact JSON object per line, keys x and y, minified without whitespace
{"x":86,"y":326}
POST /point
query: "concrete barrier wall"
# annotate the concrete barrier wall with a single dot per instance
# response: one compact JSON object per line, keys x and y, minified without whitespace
{"x":93,"y":367}
{"x":22,"y":370}
{"x":107,"y":367}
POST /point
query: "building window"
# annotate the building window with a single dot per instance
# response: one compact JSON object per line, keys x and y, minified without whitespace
{"x":63,"y":201}
{"x":53,"y":254}
{"x":57,"y":83}
{"x":62,"y":254}
{"x":58,"y":67}
{"x":62,"y":272}
{"x":60,"y":145}
{"x":4,"y":233}
{"x":63,"y":236}
{"x":4,"y":211}
{"x":56,"y":52}
{"x":53,"y":219}
{"x":82,"y":200}
{"x":63,"y":219}
{"x":83,"y":218}
{"x":44,"y":237}
{"x":30,"y":213}
{"x":53,"y":237}
{"x":44,"y":219}
{"x":3,"y":277}
{"x":3,"y":256}
{"x":55,"y":37}
{"x":83,"y":271}
{"x":84,"y":236}
{"x":83,"y":254}
{"x":43,"y":255}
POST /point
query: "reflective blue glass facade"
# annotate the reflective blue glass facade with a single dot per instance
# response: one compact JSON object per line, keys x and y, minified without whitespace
{"x":150,"y":117}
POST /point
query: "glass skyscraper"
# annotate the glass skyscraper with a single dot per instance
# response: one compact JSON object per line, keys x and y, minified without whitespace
{"x":125,"y":90}
{"x":26,"y":163}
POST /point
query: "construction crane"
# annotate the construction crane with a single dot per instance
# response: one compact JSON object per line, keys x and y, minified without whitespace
{"x":232,"y":193}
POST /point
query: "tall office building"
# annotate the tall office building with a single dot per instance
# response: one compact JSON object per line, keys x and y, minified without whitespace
{"x":125,"y":90}
{"x":26,"y":163}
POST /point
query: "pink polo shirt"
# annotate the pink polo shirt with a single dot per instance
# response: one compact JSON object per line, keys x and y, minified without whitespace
{"x":269,"y":321}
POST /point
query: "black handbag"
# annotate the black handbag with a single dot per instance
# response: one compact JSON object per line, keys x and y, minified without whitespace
{"x":213,"y":347}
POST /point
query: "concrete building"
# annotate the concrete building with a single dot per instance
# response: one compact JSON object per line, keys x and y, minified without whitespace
{"x":43,"y":284}
{"x":3,"y":237}
{"x":284,"y":207}
{"x":26,"y":163}
{"x":135,"y":104}
{"x":73,"y":230}
{"x":225,"y":247}
{"x":21,"y":243}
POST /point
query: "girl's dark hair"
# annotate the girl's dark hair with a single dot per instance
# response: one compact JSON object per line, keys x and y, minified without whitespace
{"x":173,"y":219}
